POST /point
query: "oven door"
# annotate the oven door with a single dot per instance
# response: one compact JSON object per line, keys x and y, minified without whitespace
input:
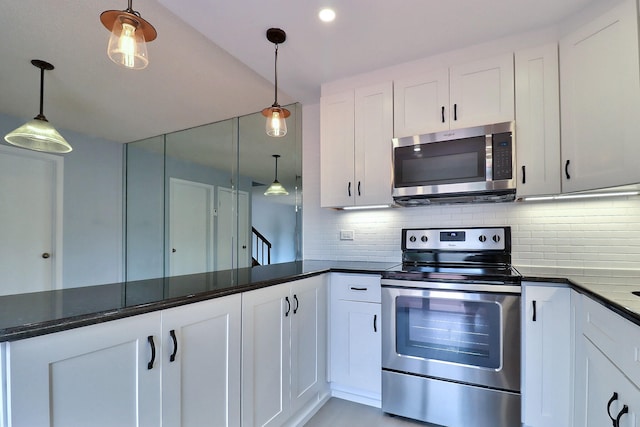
{"x":462,"y":336}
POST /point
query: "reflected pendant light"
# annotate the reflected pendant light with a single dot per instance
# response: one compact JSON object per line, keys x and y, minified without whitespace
{"x":129,"y":36}
{"x":276,"y":115}
{"x":38,"y":134}
{"x":276,"y":189}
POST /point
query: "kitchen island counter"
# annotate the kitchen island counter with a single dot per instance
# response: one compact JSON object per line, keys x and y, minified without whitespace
{"x":38,"y":313}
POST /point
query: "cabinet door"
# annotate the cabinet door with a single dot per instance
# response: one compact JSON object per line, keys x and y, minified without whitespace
{"x":482,"y":92}
{"x":421,"y":104}
{"x":95,"y":376}
{"x":308,"y":340}
{"x":201,"y":382}
{"x":266,"y":331}
{"x":337,"y":150}
{"x":603,"y":379}
{"x":373,"y":133}
{"x":538,"y":120}
{"x":600,"y":101}
{"x":356,"y":347}
{"x":547,"y":356}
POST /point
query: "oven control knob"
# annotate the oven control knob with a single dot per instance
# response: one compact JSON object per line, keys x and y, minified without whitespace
{"x":412,"y":238}
{"x":496,"y":238}
{"x":482,"y":238}
{"x":424,"y":239}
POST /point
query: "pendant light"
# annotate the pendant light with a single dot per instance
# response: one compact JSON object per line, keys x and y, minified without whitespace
{"x":129,"y":36}
{"x":38,"y":134}
{"x":276,"y":189}
{"x":276,"y":115}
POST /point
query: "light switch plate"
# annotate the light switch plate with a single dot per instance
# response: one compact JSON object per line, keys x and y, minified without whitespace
{"x":346,"y":234}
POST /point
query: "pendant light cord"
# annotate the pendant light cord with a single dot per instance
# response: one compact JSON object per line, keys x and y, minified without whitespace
{"x":41,"y":115}
{"x":275,"y":103}
{"x":277,"y":168}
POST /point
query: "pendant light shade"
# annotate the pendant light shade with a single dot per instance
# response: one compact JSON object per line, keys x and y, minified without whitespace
{"x":38,"y":134}
{"x":276,"y":189}
{"x":276,"y":124}
{"x":129,"y":36}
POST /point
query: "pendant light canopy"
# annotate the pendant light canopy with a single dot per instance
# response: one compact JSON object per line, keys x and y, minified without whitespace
{"x":276,"y":189}
{"x":38,"y":134}
{"x":129,"y":36}
{"x":276,"y":115}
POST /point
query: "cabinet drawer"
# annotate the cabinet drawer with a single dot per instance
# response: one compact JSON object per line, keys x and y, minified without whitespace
{"x":355,"y":287}
{"x":615,"y":336}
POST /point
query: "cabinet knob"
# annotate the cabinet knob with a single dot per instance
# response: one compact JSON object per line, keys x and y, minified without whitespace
{"x":46,"y":255}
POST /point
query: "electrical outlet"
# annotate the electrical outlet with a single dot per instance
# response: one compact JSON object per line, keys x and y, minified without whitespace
{"x":346,"y":234}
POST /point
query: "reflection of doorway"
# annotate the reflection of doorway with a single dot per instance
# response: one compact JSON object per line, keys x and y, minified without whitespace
{"x":226,"y":216}
{"x":31,"y":202}
{"x":191,"y":233}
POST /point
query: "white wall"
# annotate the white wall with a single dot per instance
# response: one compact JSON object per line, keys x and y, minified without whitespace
{"x":599,"y":233}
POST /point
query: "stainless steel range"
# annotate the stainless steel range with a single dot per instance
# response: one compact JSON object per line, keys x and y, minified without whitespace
{"x":451,"y":329}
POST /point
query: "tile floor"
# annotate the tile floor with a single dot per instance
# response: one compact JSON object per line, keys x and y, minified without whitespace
{"x":342,"y":413}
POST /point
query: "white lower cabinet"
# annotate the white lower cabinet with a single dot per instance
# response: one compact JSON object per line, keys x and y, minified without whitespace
{"x":201,"y":364}
{"x":283,"y":348}
{"x":608,"y":397}
{"x":355,"y":343}
{"x":120,"y":373}
{"x":546,"y":376}
{"x":101,"y":375}
{"x":607,"y":368}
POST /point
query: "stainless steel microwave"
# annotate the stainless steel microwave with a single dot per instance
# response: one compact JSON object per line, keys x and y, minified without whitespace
{"x":456,"y":166}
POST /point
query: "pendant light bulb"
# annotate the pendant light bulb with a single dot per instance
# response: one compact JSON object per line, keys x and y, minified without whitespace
{"x":38,"y":134}
{"x":276,"y":125}
{"x":127,"y":46}
{"x":129,"y":37}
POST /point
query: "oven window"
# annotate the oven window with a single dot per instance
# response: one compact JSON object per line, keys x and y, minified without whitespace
{"x":464,"y":332}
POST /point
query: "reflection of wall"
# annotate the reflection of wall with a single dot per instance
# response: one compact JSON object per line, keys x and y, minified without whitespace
{"x":275,"y":221}
{"x":147,"y":206}
{"x":92,"y":222}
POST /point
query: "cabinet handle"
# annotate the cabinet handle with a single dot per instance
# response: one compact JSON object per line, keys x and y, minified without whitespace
{"x":295,"y":298}
{"x":455,"y":111}
{"x":534,"y":311}
{"x":359,"y":189}
{"x":614,"y":397}
{"x":349,"y":189}
{"x":375,"y":323}
{"x":358,"y":289}
{"x":172,"y":358}
{"x":566,"y":169}
{"x":153,"y":352}
{"x":288,"y":306}
{"x":625,"y":409}
{"x":442,"y":113}
{"x":524,"y":175}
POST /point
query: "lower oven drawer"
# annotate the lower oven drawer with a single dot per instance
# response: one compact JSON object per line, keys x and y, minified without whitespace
{"x":448,"y":403}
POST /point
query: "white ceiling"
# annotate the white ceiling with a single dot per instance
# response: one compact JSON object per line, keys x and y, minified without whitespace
{"x":221,"y":65}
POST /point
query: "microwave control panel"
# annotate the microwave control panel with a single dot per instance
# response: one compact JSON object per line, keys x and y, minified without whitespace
{"x":502,"y":156}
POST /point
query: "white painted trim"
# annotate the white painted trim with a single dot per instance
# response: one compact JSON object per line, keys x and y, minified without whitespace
{"x":58,"y":210}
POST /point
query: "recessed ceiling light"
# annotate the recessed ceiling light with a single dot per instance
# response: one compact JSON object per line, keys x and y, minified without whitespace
{"x":327,"y":15}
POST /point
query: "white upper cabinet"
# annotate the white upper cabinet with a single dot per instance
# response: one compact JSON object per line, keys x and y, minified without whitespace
{"x":600,"y":101}
{"x":471,"y":94}
{"x":356,"y":128}
{"x":538,"y":120}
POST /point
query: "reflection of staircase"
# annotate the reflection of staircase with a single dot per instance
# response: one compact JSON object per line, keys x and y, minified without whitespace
{"x":258,"y":248}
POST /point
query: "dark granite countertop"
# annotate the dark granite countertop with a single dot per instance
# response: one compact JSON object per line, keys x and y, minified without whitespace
{"x":611,"y":287}
{"x":32,"y":314}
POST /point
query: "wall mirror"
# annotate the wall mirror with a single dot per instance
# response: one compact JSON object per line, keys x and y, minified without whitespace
{"x":195,"y":198}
